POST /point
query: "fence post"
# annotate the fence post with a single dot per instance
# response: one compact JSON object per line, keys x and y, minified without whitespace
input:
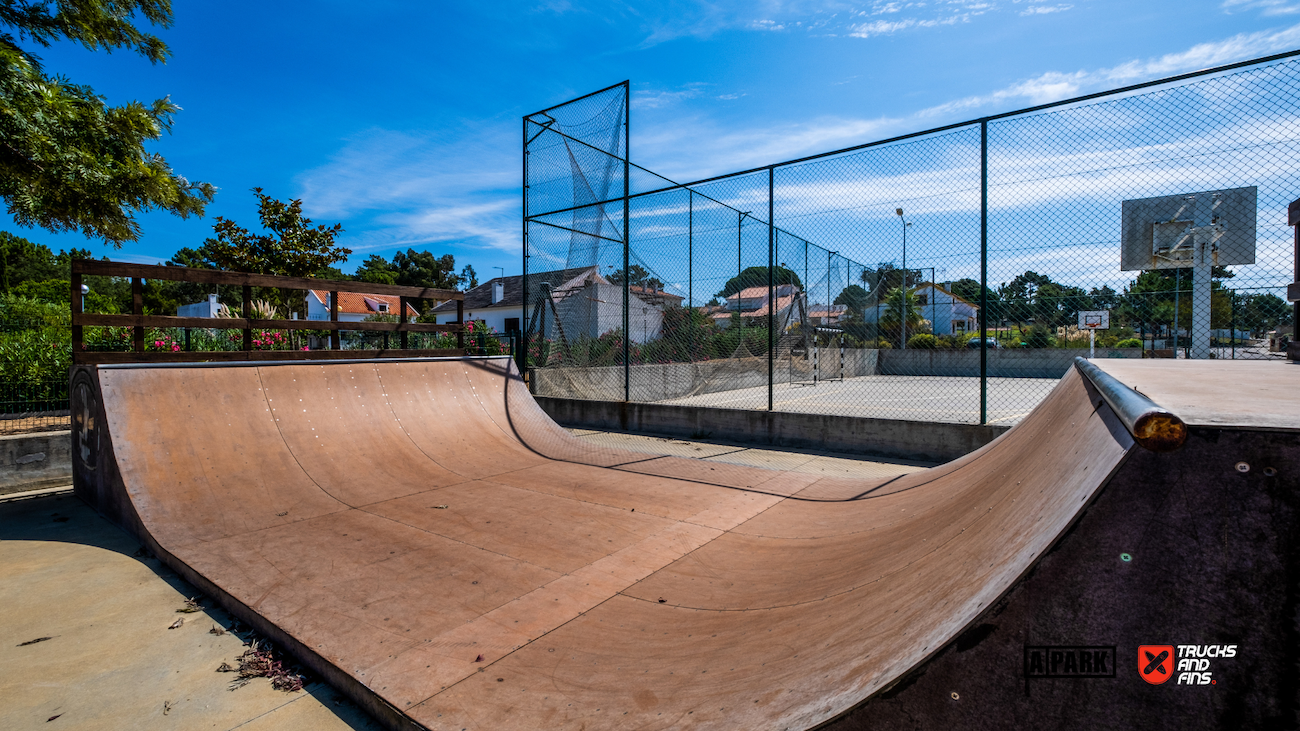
{"x":137,"y":309}
{"x":984,"y":271}
{"x":335,"y":338}
{"x":77,"y":307}
{"x":248,"y":313}
{"x":771,"y":287}
{"x":627,"y":242}
{"x":521,"y":357}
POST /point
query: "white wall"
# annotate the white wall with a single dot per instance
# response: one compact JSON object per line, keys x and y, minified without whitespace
{"x":206,"y":308}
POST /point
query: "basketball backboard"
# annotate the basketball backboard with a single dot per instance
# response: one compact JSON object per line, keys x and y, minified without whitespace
{"x":1094,"y":320}
{"x":1162,"y":232}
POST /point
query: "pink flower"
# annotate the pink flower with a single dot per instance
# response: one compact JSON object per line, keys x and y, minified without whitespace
{"x":305,"y":348}
{"x":176,"y":348}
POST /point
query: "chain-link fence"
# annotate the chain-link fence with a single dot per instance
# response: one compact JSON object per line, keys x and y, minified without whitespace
{"x":947,"y":275}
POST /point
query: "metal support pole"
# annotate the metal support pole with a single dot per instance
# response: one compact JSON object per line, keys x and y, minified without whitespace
{"x":1178,"y":276}
{"x":771,"y":287}
{"x":842,"y":373}
{"x":1233,"y":323}
{"x":521,"y":357}
{"x":691,"y":312}
{"x":1201,"y":293}
{"x":627,"y":242}
{"x":984,"y":271}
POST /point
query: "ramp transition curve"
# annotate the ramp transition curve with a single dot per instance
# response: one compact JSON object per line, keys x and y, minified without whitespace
{"x":421,"y":535}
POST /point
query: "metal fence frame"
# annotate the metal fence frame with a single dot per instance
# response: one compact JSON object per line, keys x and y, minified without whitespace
{"x":533,"y":128}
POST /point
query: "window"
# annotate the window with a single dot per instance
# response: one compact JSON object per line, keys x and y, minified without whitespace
{"x":512,"y":324}
{"x":383,"y":307}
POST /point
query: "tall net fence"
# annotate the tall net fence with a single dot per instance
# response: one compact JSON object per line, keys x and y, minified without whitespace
{"x":950,"y":275}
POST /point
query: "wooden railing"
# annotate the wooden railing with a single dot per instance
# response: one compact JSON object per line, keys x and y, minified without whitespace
{"x":138,"y":321}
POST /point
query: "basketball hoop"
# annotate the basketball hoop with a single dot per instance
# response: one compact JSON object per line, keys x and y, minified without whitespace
{"x":1092,"y":321}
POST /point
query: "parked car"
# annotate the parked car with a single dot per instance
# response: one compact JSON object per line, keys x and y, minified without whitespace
{"x":974,"y":343}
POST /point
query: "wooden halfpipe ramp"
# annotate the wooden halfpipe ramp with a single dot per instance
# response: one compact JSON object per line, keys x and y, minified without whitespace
{"x":421,"y":535}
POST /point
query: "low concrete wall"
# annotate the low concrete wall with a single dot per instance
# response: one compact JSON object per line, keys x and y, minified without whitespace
{"x":1044,"y":363}
{"x":661,"y":382}
{"x":914,"y":440}
{"x":33,"y":461}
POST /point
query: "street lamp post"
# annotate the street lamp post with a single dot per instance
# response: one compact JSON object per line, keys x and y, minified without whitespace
{"x":902,"y":305}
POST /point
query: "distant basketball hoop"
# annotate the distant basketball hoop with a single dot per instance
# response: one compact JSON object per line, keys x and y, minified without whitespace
{"x":1092,"y":321}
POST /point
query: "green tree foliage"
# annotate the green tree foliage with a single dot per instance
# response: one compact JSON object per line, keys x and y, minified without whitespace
{"x":639,"y":277}
{"x":1260,"y":312}
{"x":887,"y":276}
{"x":757,"y":277}
{"x":69,"y":161}
{"x":294,"y":249}
{"x":413,"y":268}
{"x":855,"y":297}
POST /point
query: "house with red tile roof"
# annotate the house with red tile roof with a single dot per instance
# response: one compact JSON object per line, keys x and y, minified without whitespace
{"x":752,"y":305}
{"x":354,"y":306}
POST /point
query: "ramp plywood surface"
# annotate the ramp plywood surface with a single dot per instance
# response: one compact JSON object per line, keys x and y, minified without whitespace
{"x":402,"y":520}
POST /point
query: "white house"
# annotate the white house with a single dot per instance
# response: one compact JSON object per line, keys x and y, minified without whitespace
{"x":587,"y":303}
{"x":499,"y":302}
{"x":949,"y":314}
{"x":822,"y":316}
{"x":752,"y":305}
{"x":207,"y":308}
{"x":354,"y":306}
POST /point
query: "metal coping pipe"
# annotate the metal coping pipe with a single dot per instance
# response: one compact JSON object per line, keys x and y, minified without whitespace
{"x":1151,"y":425}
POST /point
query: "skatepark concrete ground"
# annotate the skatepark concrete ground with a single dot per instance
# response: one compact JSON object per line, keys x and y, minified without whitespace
{"x":69,"y":574}
{"x":915,"y":398}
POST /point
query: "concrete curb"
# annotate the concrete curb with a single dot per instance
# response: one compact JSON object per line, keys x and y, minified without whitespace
{"x":34,"y":461}
{"x":913,"y":440}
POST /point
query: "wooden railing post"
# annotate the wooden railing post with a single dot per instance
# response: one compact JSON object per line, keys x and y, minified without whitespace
{"x":401,"y":322}
{"x":78,"y":305}
{"x":335,"y":342}
{"x":137,"y":309}
{"x":460,"y":320}
{"x":248,"y":313}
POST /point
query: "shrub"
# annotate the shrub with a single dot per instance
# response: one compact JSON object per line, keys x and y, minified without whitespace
{"x":1129,"y":343}
{"x":922,"y":341}
{"x":1039,"y":337}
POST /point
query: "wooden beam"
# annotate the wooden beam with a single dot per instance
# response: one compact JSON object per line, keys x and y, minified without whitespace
{"x":238,"y":323}
{"x":213,"y":276}
{"x":104,"y":358}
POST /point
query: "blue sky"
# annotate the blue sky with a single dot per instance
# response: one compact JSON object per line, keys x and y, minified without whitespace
{"x":402,"y":120}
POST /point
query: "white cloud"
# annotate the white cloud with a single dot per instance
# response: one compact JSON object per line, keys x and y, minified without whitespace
{"x":880,"y":28}
{"x":407,"y":189}
{"x":1056,"y":85}
{"x":766,"y":25}
{"x":1045,"y":9}
{"x":1266,"y":7}
{"x":655,"y":98}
